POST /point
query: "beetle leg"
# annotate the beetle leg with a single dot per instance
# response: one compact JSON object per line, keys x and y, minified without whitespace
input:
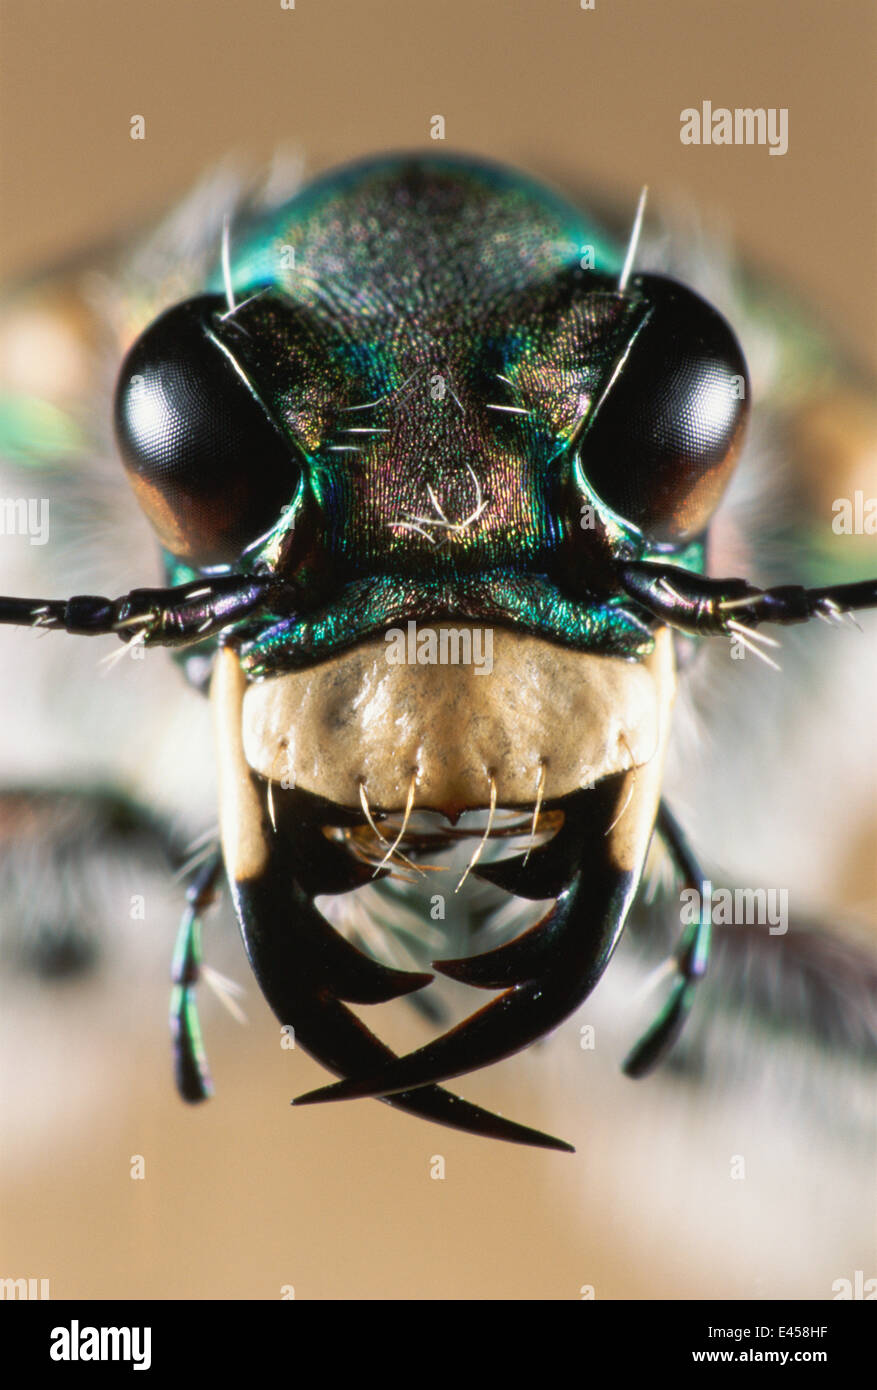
{"x":701,"y":605}
{"x":158,"y":617}
{"x":190,"y":1062}
{"x":691,"y":958}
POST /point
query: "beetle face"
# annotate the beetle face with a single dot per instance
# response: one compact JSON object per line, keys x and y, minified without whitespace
{"x":415,"y":409}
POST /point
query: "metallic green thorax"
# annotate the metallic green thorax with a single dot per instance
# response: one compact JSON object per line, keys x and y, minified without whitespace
{"x":432,"y":334}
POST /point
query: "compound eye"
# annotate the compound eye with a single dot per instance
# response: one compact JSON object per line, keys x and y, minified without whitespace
{"x":664,"y":439}
{"x":208,"y":465}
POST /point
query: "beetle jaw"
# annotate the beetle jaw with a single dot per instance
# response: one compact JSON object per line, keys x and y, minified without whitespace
{"x":279,"y":860}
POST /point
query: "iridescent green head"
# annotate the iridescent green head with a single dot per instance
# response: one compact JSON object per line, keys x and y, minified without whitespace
{"x":421,"y":389}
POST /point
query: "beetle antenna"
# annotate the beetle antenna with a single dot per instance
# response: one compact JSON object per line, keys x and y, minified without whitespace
{"x":634,"y":240}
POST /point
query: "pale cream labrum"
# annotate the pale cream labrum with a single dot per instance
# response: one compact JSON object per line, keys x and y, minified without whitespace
{"x":356,"y":720}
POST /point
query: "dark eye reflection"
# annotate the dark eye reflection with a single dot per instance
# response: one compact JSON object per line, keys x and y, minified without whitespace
{"x":664,"y":440}
{"x":209,"y":466}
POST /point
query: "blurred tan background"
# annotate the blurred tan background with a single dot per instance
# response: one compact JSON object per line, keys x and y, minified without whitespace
{"x":242,"y":1197}
{"x":568,"y":92}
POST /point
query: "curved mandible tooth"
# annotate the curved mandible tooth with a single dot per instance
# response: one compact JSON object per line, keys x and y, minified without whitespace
{"x":550,"y":872}
{"x":573,"y":854}
{"x":547,"y":871}
{"x":292,"y":974}
{"x":589,"y":921}
{"x":515,"y":963}
{"x":302,"y":965}
{"x":274,"y":903}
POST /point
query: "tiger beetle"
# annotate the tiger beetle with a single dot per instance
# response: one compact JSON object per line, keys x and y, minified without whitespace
{"x":395,"y":400}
